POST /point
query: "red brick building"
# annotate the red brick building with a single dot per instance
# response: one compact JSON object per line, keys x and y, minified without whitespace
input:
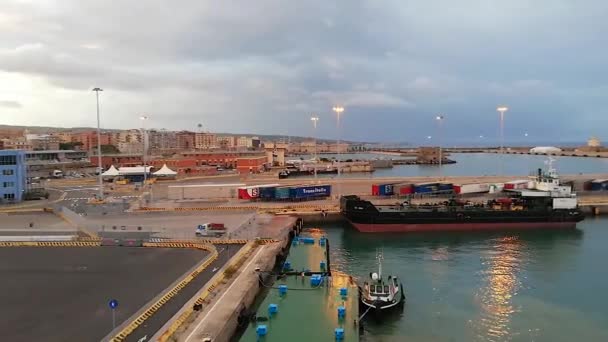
{"x":118,"y":160}
{"x":255,"y":164}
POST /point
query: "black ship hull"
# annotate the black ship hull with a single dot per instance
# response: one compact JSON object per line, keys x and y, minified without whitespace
{"x":366,"y":217}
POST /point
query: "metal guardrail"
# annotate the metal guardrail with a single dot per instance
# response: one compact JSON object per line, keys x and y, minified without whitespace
{"x":49,"y":244}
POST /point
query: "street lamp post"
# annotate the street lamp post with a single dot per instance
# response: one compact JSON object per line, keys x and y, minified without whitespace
{"x":99,"y":167}
{"x":339,"y":110}
{"x":502,"y":110}
{"x":143,"y":119}
{"x":314,"y":120}
{"x":439,"y":119}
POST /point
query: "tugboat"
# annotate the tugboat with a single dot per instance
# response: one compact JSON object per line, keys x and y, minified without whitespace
{"x":382,"y":295}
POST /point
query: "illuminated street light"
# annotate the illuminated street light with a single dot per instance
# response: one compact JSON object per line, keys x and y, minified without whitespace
{"x":439,"y":119}
{"x":314,"y":120}
{"x":339,"y":110}
{"x":502,"y":110}
{"x":99,"y":167}
{"x":143,"y":119}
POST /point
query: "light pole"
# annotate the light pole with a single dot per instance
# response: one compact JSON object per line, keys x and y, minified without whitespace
{"x":314,"y":120}
{"x":439,"y":119}
{"x":502,"y":110}
{"x":339,"y":110}
{"x":143,"y":119}
{"x":99,"y":167}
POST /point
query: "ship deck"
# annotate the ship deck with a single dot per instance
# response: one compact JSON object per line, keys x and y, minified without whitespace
{"x":307,"y":313}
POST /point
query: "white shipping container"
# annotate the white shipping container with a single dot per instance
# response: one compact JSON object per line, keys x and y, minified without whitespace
{"x":202,"y":191}
{"x":564,"y":203}
{"x":472,"y":188}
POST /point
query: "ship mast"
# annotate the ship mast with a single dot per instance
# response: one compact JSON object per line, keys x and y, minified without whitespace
{"x":380,"y":258}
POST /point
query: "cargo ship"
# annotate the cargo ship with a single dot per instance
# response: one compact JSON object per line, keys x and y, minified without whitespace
{"x":547,"y":205}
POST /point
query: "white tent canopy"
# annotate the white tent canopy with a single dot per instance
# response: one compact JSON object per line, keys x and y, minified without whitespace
{"x":111,"y":172}
{"x":134,"y":170}
{"x":165,"y":171}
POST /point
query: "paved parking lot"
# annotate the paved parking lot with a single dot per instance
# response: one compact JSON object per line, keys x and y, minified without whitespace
{"x":40,"y":221}
{"x":62,"y":294}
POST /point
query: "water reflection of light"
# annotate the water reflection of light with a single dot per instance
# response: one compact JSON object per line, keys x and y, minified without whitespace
{"x":500,"y":282}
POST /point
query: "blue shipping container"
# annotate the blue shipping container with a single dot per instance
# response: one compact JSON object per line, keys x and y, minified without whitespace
{"x":426,"y":188}
{"x":298,"y":192}
{"x":385,"y":189}
{"x":599,"y":185}
{"x":267,"y":192}
{"x":281,"y":192}
{"x":445,"y":186}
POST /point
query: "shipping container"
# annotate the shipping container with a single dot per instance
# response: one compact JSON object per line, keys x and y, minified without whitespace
{"x":303,"y":192}
{"x":599,"y":185}
{"x":517,"y":184}
{"x":267,"y":193}
{"x":281,"y":193}
{"x":382,"y":189}
{"x":403,"y":189}
{"x":202,"y":191}
{"x":445,"y":187}
{"x":471,"y":188}
{"x":426,"y":188}
{"x":251,"y":192}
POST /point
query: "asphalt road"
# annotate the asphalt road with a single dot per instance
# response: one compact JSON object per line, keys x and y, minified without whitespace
{"x":62,"y":294}
{"x":154,"y":323}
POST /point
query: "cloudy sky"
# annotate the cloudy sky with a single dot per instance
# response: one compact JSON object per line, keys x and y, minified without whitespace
{"x":264,"y":66}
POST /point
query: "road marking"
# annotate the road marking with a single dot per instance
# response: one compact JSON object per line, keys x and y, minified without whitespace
{"x":222,"y":296}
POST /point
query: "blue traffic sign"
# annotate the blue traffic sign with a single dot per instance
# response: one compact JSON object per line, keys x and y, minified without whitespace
{"x":113,"y":304}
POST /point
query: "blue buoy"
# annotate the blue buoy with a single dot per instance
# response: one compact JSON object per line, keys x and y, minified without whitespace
{"x":339,"y":334}
{"x":273,"y":309}
{"x":286,"y":266}
{"x":322,"y":265}
{"x":261,"y":330}
{"x":341,"y":312}
{"x":315,"y":280}
{"x":282,"y":290}
{"x":343,"y":291}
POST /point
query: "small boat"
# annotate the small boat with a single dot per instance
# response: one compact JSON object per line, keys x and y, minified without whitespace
{"x":381,"y":294}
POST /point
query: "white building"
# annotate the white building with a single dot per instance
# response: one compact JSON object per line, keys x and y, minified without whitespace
{"x":545,"y":149}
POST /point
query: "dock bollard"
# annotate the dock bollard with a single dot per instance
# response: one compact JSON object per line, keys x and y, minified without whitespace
{"x":261,"y":330}
{"x":341,"y":311}
{"x":282,"y":290}
{"x":339,"y":334}
{"x":272,"y":309}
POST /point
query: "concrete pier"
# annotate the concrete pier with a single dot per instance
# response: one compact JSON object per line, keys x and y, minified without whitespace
{"x":231,"y":291}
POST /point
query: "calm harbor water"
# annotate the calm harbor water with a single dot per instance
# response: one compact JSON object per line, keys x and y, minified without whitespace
{"x":473,"y":164}
{"x":526,"y":286}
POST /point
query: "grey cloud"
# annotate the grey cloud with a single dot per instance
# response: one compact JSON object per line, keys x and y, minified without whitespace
{"x":264,"y":66}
